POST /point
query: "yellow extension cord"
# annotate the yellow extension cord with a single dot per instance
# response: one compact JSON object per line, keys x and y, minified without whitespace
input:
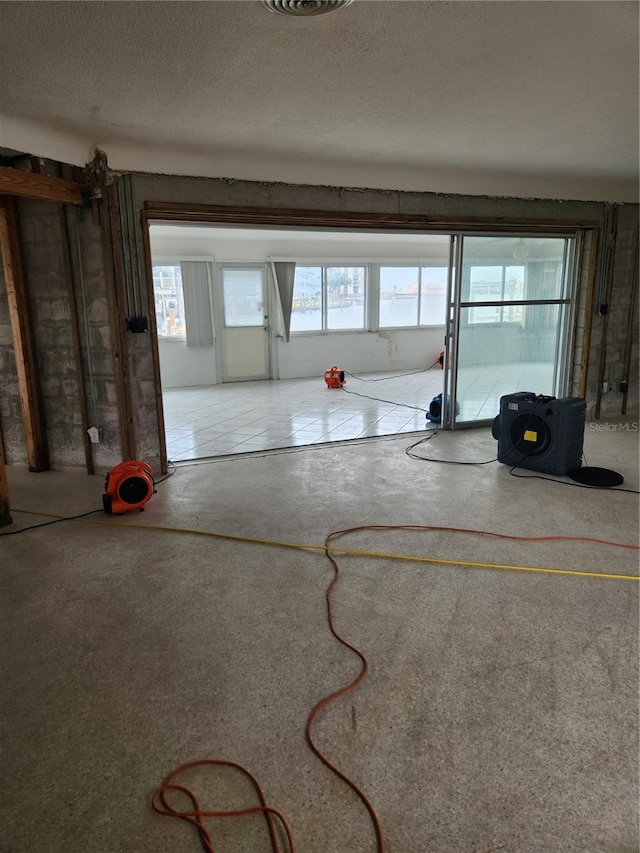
{"x":275,"y":543}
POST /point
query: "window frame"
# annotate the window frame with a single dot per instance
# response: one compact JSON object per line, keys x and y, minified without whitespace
{"x":499,"y":303}
{"x":324,"y":265}
{"x":420,"y":265}
{"x":176,"y":261}
{"x":371,"y":297}
{"x":162,"y":263}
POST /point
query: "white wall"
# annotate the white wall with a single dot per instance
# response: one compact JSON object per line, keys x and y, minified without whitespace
{"x":182,"y":366}
{"x":362,"y":352}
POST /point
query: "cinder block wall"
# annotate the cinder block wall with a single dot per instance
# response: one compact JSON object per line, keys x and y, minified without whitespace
{"x":623,"y":316}
{"x":96,"y":333}
{"x":44,"y":249}
{"x":64,"y":267}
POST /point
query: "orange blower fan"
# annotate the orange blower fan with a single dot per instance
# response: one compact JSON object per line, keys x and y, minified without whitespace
{"x":334,"y":377}
{"x":127,"y":487}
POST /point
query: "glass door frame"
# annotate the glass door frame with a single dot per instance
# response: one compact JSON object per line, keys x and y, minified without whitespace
{"x":455,"y":305}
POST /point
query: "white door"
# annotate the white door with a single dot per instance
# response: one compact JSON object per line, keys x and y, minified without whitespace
{"x":245,"y":323}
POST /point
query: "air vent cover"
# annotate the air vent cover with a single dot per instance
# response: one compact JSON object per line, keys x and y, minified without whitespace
{"x":304,"y":8}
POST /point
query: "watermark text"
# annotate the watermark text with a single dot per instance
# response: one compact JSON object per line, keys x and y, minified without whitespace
{"x":613,"y":427}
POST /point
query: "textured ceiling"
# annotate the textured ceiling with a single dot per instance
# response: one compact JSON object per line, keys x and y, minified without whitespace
{"x":529,"y":98}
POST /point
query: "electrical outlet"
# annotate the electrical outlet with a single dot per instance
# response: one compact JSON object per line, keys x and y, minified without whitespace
{"x":605,"y":387}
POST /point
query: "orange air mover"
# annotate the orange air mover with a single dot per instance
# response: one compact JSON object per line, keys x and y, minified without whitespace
{"x":127,"y":487}
{"x":334,"y":377}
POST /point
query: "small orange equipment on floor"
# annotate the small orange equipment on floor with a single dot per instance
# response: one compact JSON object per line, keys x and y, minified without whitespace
{"x":334,"y":377}
{"x":127,"y":487}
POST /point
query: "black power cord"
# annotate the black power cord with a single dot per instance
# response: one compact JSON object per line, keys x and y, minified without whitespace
{"x":565,"y":483}
{"x":395,"y":375}
{"x":169,"y":474}
{"x":83,"y":514}
{"x":384,"y":379}
{"x":55,"y":521}
{"x":380,"y":400}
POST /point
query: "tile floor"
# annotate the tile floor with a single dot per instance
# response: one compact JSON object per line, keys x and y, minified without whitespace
{"x":481,"y":386}
{"x":245,"y":417}
{"x":242,"y":417}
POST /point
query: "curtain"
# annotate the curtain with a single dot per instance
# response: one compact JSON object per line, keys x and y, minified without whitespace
{"x":283,"y":274}
{"x":197,"y":303}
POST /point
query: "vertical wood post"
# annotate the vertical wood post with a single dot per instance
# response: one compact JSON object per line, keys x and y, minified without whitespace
{"x":153,"y":330}
{"x":23,"y":340}
{"x":112,"y":248}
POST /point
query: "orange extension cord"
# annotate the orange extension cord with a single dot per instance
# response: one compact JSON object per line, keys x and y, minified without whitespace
{"x":159,"y":801}
{"x":161,"y":805}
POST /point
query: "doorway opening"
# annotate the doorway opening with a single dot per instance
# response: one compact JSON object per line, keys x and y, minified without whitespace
{"x":242,"y":356}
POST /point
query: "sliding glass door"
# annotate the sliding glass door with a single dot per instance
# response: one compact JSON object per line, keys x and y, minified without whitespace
{"x":510,"y":311}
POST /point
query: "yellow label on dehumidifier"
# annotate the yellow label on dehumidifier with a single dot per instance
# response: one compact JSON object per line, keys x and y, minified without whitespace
{"x":530,"y":435}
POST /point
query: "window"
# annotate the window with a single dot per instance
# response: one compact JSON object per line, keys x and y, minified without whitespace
{"x":412,"y":296}
{"x":169,"y":301}
{"x":306,"y":308}
{"x":496,"y":284}
{"x":242,"y":297}
{"x":328,"y":298}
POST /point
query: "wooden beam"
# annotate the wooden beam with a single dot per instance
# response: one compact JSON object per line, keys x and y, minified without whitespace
{"x":156,"y":211}
{"x":43,"y":187}
{"x":112,"y":253}
{"x":588,"y":313}
{"x":155,"y":351}
{"x":23,"y":340}
{"x":5,"y":514}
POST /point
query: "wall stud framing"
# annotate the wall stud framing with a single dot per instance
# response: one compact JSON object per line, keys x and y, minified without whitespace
{"x":23,"y":339}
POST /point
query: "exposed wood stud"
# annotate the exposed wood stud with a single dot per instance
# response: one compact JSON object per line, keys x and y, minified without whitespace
{"x":153,"y":330}
{"x":588,"y":315}
{"x":42,"y":187}
{"x":23,"y":340}
{"x":115,"y":292}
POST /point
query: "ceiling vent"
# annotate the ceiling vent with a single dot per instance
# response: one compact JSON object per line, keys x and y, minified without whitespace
{"x":304,"y":8}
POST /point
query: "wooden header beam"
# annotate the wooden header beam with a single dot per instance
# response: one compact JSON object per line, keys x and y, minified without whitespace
{"x":43,"y":187}
{"x":155,"y":211}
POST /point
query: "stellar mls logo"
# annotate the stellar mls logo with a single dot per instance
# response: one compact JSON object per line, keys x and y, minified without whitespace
{"x":619,"y":427}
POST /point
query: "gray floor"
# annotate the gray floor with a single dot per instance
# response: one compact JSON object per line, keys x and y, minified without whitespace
{"x":500,"y":711}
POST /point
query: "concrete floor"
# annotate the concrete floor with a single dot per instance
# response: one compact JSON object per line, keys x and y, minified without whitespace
{"x":501,"y":707}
